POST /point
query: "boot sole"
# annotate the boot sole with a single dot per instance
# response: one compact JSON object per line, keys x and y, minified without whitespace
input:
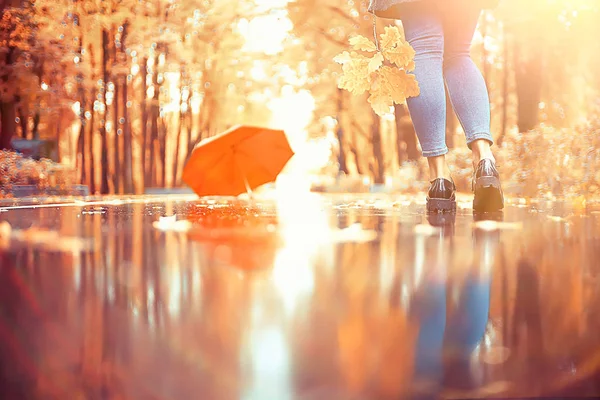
{"x":441,"y":205}
{"x":488,"y":195}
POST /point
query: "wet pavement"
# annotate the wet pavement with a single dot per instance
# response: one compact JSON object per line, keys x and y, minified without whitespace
{"x":302,"y":297}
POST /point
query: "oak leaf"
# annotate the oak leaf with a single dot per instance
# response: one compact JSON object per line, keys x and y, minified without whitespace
{"x":375,"y":62}
{"x":356,"y":77}
{"x":380,"y":96}
{"x":361,"y":43}
{"x":402,"y":54}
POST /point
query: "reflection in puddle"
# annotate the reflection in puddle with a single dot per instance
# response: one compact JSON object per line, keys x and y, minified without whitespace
{"x":279,"y":300}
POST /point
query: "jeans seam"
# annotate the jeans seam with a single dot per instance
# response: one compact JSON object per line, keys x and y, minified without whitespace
{"x":435,"y":153}
{"x":480,"y":135}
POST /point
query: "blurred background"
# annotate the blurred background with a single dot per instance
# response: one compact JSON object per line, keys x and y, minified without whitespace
{"x":119,"y":91}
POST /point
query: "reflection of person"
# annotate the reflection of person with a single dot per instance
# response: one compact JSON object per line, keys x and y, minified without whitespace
{"x":441,"y":32}
{"x":451,"y":328}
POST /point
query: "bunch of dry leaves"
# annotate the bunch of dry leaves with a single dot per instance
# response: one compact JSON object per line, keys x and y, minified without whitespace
{"x":381,"y":69}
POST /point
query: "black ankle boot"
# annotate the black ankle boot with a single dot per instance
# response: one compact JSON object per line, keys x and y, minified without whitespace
{"x":488,"y":196}
{"x":441,"y":196}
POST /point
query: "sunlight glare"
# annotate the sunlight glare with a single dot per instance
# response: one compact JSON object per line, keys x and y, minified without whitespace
{"x":265,"y":34}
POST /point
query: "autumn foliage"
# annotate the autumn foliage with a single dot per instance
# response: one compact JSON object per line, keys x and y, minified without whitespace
{"x":383,"y":71}
{"x":16,"y":170}
{"x":126,"y":88}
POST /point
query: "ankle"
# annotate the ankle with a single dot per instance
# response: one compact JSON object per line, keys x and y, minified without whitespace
{"x":481,"y":150}
{"x":433,"y":175}
{"x":477,"y":159}
{"x":438,"y":168}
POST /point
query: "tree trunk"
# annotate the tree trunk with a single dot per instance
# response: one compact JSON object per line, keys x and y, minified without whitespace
{"x":378,"y":169}
{"x":91,"y":131}
{"x":505,"y":88}
{"x":343,"y":165}
{"x":23,"y":121}
{"x":162,"y":146}
{"x":105,"y":168}
{"x":9,"y":124}
{"x":81,"y":159}
{"x":406,"y":139}
{"x":8,"y":108}
{"x":127,"y":143}
{"x":91,"y":164}
{"x":146,"y":172}
{"x":118,"y":169}
{"x":35,"y":131}
{"x":156,"y":168}
{"x":182,"y":118}
{"x":528,"y":79}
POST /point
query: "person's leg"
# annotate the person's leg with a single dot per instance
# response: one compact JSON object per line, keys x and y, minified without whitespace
{"x":424,"y":31}
{"x":469,"y":96}
{"x":466,"y":86}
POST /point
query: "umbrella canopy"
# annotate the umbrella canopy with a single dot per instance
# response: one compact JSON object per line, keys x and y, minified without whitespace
{"x":237,"y":161}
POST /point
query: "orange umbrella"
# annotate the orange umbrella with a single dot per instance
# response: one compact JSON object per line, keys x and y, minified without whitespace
{"x":237,"y":161}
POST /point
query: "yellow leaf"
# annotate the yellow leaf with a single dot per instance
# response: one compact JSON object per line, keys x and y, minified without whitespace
{"x":342,"y":58}
{"x":356,"y":77}
{"x":361,"y":43}
{"x":390,"y":37}
{"x":375,"y":62}
{"x":402,"y":55}
{"x":396,"y":49}
{"x":401,"y":84}
{"x":381,"y":97}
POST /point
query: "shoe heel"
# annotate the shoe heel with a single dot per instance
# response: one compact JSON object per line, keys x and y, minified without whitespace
{"x":488,"y":199}
{"x":487,"y":182}
{"x":441,"y":205}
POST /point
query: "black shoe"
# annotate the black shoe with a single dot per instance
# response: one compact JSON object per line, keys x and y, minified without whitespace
{"x":487,"y":188}
{"x":441,"y":196}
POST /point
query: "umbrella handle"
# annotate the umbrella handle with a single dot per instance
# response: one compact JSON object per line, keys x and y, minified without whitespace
{"x":241,"y":171}
{"x":248,"y":188}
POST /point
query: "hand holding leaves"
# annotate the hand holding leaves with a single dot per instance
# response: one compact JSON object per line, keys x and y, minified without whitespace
{"x":381,"y":72}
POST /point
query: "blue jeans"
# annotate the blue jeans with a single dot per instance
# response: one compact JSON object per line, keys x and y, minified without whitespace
{"x":441,"y":34}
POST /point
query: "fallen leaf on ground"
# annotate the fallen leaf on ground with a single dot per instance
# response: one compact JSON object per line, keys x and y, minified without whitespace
{"x":171,"y":224}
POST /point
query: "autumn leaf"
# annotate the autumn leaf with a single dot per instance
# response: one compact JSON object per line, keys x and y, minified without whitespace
{"x":381,"y":96}
{"x":402,"y":55}
{"x":342,"y":58}
{"x":361,"y":43}
{"x":401,"y":84}
{"x":391,"y":86}
{"x":390,"y":37}
{"x":375,"y":62}
{"x":397,"y":50}
{"x":356,"y":77}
